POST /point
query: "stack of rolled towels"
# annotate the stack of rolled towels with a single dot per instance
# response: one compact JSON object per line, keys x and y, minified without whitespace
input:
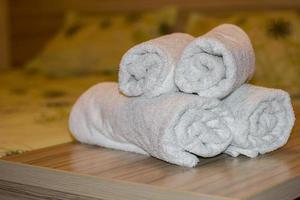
{"x":180,"y":98}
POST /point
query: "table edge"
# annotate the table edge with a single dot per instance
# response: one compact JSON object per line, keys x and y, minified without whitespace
{"x":42,"y":181}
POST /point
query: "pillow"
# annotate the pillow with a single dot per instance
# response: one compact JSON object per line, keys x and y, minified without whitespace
{"x":275,"y":38}
{"x":95,"y":43}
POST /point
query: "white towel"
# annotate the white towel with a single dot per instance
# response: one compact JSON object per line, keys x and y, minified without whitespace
{"x":172,"y":127}
{"x":148,"y":68}
{"x":215,"y":64}
{"x":264,"y":119}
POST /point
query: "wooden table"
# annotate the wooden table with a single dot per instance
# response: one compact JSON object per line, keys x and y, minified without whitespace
{"x":73,"y":170}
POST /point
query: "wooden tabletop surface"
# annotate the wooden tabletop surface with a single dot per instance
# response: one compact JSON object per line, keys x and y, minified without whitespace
{"x":276,"y":174}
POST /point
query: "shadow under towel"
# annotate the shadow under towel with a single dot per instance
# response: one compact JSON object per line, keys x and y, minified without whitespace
{"x":173,"y":127}
{"x":264,"y":120}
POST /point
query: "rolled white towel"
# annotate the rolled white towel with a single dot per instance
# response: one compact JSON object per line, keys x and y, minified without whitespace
{"x":264,"y":120}
{"x":172,"y":127}
{"x":147,"y":69}
{"x":215,"y":64}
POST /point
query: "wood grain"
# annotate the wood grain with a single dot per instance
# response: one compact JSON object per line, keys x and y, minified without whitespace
{"x":271,"y":176}
{"x":12,"y":190}
{"x":27,"y":182}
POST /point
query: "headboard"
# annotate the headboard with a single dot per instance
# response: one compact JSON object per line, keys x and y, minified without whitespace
{"x":33,"y":22}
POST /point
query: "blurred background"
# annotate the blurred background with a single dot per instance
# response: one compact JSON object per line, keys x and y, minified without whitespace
{"x":53,"y":50}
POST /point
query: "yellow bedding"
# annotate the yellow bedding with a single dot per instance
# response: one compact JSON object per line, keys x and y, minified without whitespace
{"x":34,"y":109}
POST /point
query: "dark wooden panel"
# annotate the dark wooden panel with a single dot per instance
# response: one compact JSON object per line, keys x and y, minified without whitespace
{"x":56,"y":6}
{"x":4,"y":36}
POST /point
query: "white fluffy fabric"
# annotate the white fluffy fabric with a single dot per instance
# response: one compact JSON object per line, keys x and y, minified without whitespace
{"x":215,"y":64}
{"x":264,"y":120}
{"x":147,"y":69}
{"x":172,"y":127}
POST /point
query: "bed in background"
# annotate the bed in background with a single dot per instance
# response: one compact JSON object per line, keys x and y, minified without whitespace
{"x":60,"y":48}
{"x":36,"y":95}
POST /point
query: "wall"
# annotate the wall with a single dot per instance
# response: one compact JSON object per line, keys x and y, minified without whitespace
{"x":4,"y":36}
